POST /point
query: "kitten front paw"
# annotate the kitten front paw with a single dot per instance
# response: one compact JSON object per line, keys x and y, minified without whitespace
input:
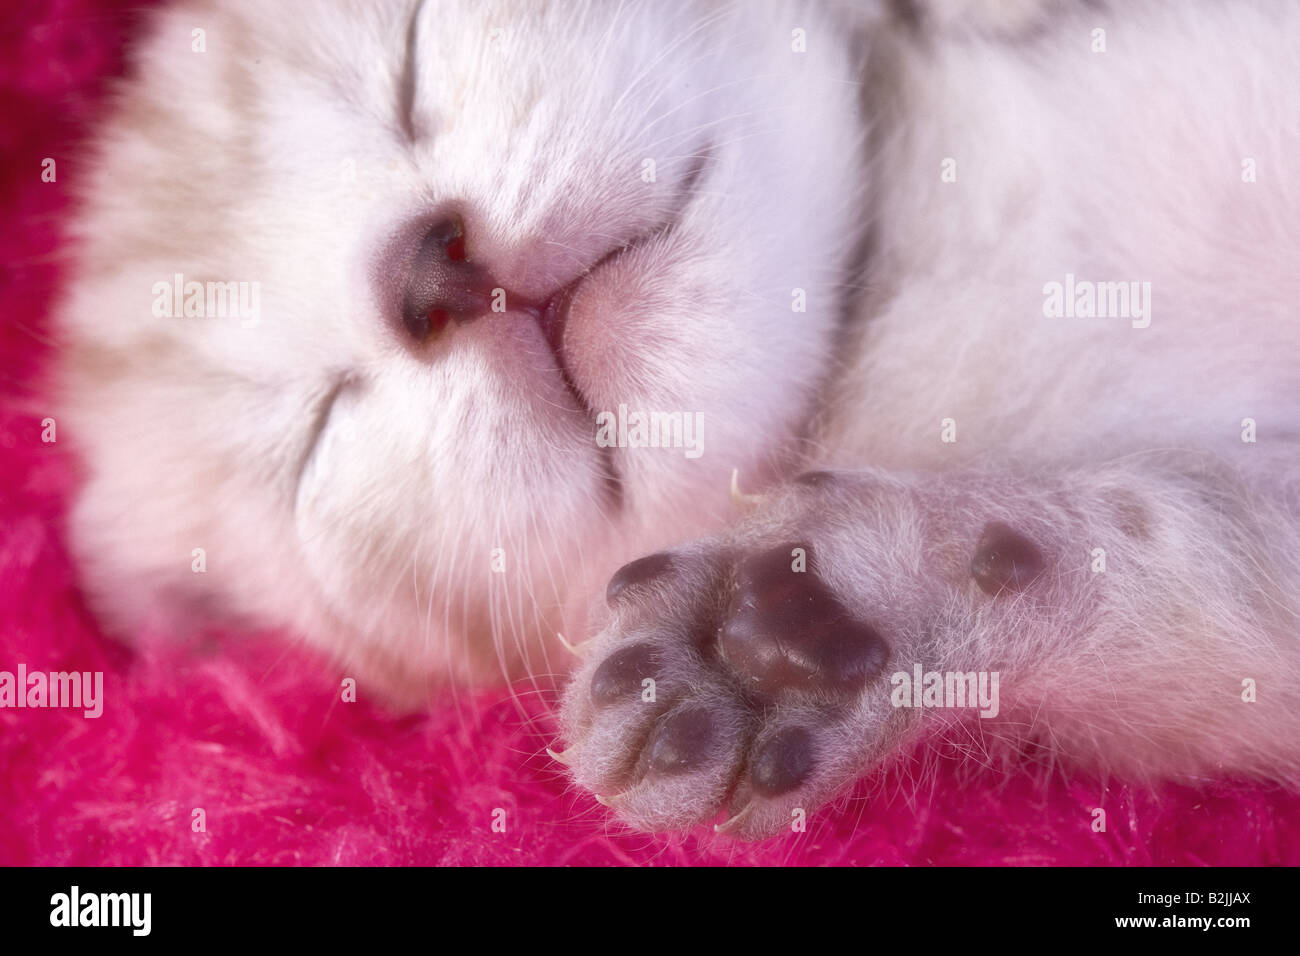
{"x":744,"y":674}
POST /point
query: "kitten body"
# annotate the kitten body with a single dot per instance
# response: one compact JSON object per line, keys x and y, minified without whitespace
{"x":842,"y":240}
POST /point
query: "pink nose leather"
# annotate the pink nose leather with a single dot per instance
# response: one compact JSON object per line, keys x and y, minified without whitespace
{"x":447,"y":282}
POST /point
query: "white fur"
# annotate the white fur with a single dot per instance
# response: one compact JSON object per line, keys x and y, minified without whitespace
{"x":231,"y":165}
{"x":1116,"y":165}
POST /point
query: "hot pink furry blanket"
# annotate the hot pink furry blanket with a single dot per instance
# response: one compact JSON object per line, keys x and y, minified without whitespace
{"x":253,"y":732}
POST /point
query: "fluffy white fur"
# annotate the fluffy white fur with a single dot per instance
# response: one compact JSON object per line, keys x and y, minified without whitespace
{"x":356,"y":493}
{"x":237,"y":164}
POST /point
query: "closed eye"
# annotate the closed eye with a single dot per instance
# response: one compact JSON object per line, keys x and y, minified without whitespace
{"x":407,"y":81}
{"x":699,"y":164}
{"x":320,"y":420}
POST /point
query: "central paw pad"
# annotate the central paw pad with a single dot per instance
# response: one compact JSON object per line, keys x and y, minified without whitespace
{"x":785,"y":631}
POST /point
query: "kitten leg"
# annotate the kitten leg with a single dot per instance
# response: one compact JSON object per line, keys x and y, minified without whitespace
{"x":1138,"y":617}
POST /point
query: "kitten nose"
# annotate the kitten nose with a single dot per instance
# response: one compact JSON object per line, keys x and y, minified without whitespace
{"x":443,"y":284}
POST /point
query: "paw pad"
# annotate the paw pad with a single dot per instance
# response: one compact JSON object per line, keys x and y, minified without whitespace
{"x":818,"y":479}
{"x":782,"y":762}
{"x":1005,"y":560}
{"x":619,"y":677}
{"x":683,"y":742}
{"x":785,"y":631}
{"x":637,"y":573}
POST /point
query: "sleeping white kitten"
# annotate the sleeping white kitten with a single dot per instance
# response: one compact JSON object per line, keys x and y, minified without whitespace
{"x":993,"y":306}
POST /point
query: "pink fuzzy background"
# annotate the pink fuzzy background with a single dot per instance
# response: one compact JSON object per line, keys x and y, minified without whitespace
{"x":253,"y":731}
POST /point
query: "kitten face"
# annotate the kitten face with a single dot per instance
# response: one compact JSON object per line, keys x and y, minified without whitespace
{"x":638,"y":189}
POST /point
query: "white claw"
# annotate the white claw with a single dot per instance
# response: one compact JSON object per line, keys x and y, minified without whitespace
{"x":738,"y":497}
{"x":611,"y":802}
{"x":578,"y":650}
{"x":726,"y":826}
{"x":562,"y":756}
